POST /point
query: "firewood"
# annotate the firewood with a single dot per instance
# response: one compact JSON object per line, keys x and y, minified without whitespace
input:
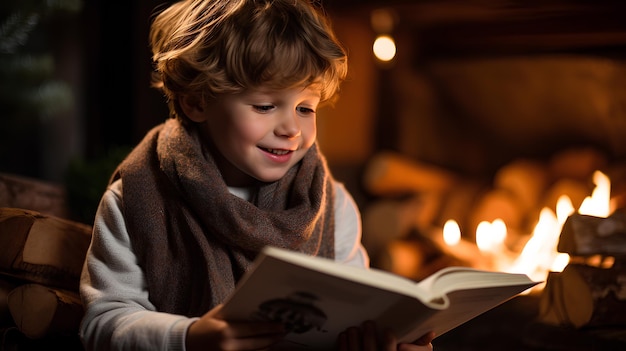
{"x":407,"y":258}
{"x":390,"y":219}
{"x":617,"y":175}
{"x":585,"y":296}
{"x":42,"y":249}
{"x":465,"y":195}
{"x":381,"y":224}
{"x":418,"y":257}
{"x":389,"y":173}
{"x":23,"y":192}
{"x":566,"y":300}
{"x":584,"y":235}
{"x":577,"y":163}
{"x":576,"y":190}
{"x":525,"y":179}
{"x":40,"y":311}
{"x":496,"y":204}
{"x":6,"y":286}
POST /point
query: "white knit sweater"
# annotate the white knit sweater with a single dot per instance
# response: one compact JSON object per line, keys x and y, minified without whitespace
{"x":118,"y":313}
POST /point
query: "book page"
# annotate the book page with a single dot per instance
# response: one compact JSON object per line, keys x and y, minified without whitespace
{"x":313,"y":305}
{"x":317,"y":298}
{"x":367,"y":276}
{"x":460,"y":278}
{"x":463,"y":306}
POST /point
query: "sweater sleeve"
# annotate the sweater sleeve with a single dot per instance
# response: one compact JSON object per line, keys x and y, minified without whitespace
{"x":118,"y":313}
{"x":348,"y":232}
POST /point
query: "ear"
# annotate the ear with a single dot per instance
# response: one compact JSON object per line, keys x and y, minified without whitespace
{"x":193,"y":108}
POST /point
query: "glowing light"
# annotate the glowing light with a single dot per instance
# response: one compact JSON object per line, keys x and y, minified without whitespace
{"x":490,"y":235}
{"x":384,"y":48}
{"x":498,"y":229}
{"x":539,"y":253}
{"x":599,"y":203}
{"x":560,"y":261}
{"x":564,"y":208}
{"x":451,"y":232}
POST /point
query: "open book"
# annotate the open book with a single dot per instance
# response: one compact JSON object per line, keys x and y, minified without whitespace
{"x":317,"y":298}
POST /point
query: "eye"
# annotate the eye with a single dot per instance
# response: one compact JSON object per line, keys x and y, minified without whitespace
{"x":305,"y":110}
{"x":263,"y":108}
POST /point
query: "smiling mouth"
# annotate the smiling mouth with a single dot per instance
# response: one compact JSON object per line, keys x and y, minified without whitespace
{"x":279,"y":152}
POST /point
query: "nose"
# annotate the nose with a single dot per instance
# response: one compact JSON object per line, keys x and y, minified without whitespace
{"x":288,"y":125}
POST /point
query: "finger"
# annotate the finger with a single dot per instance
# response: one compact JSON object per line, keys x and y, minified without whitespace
{"x":354,"y":338}
{"x":421,"y":344}
{"x":413,"y":347}
{"x":370,"y":338}
{"x":425,"y":339}
{"x":389,"y":341}
{"x":252,"y":343}
{"x":342,"y":342}
{"x":215,"y":311}
{"x":253,"y":329}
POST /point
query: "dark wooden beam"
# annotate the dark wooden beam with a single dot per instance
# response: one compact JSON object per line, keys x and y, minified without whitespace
{"x":492,"y":27}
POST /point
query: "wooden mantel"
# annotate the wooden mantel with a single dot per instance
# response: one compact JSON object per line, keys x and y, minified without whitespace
{"x":494,"y":27}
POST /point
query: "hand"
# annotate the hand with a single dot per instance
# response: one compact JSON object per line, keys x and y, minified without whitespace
{"x":421,"y":344}
{"x":213,"y":333}
{"x":368,"y":338}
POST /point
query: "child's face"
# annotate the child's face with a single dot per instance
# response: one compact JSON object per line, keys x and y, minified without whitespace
{"x":261,"y":134}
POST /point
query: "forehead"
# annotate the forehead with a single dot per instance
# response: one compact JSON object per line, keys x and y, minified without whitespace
{"x":311,"y":91}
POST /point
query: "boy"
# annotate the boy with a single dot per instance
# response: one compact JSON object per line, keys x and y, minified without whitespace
{"x":235,"y":169}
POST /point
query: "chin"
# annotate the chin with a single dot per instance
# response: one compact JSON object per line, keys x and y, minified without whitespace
{"x":270,"y":178}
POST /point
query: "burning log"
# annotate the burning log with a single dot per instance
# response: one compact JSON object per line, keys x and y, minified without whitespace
{"x":575,"y":190}
{"x":577,"y":163}
{"x":585,"y":296}
{"x":591,"y":290}
{"x":584,"y":235}
{"x":389,"y":173}
{"x":525,"y":180}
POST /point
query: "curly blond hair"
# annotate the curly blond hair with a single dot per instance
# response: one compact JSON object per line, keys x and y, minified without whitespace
{"x":204,"y":48}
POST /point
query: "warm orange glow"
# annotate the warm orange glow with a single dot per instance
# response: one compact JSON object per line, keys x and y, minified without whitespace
{"x":599,"y":203}
{"x":490,"y":236}
{"x":451,"y":232}
{"x":564,"y":208}
{"x":384,"y":48}
{"x":539,"y":255}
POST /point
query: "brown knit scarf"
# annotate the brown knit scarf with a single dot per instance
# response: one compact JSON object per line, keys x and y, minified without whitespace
{"x":194,"y":239}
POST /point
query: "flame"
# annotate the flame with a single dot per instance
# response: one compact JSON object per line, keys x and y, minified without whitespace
{"x":451,"y":232}
{"x":564,"y":208}
{"x":539,"y":255}
{"x":490,"y":236}
{"x":599,"y":203}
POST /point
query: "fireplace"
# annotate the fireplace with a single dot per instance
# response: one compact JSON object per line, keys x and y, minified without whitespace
{"x":493,"y":114}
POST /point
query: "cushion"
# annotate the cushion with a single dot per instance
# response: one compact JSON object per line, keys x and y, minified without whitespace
{"x":40,"y":311}
{"x":42,"y":249}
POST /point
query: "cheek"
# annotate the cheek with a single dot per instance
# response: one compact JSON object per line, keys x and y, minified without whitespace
{"x":309,"y":131}
{"x":232,"y":131}
{"x":250,"y":131}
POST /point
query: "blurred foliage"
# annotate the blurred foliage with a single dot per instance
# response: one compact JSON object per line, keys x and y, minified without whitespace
{"x":29,"y":91}
{"x":86,"y":181}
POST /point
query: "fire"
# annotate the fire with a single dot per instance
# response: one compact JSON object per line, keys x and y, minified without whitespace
{"x":539,"y":255}
{"x":599,"y":203}
{"x":451,"y":232}
{"x":490,"y":236}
